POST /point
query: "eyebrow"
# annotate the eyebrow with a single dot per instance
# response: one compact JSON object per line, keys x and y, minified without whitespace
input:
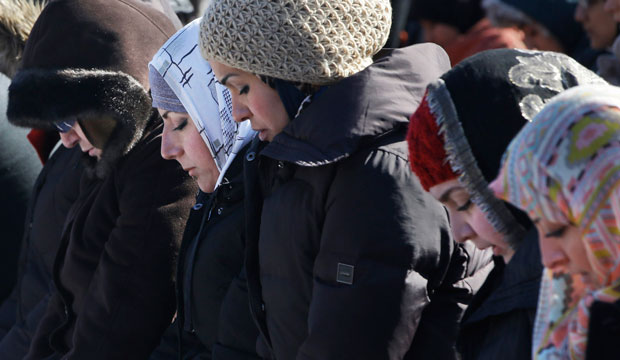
{"x":165,"y":114}
{"x":444,"y":197}
{"x":225,"y":79}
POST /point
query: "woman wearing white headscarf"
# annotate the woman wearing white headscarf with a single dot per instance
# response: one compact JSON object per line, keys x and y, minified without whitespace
{"x":212,"y":306}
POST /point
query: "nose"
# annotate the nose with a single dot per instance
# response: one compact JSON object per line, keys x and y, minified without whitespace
{"x":169,"y":148}
{"x":240,"y":111}
{"x":460,"y":228}
{"x":69,"y":139}
{"x":553,"y":257}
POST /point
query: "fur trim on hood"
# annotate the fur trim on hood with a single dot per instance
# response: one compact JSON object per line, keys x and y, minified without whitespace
{"x":16,"y":20}
{"x":39,"y":98}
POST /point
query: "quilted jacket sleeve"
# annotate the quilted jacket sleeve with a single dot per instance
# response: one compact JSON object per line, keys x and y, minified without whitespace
{"x":385,"y":244}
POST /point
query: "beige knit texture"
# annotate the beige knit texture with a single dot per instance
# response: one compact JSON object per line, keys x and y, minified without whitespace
{"x":309,"y":41}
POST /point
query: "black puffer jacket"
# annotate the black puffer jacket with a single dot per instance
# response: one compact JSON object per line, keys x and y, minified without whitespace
{"x":603,"y":331}
{"x":213,"y":315}
{"x":55,"y":190}
{"x":346,"y":250}
{"x":19,"y":167}
{"x":498,"y":323}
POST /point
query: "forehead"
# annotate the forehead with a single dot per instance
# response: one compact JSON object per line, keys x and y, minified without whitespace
{"x":224,"y":72}
{"x":171,"y":115}
{"x":443,"y":190}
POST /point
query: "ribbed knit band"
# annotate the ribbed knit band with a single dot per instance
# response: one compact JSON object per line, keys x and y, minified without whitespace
{"x":163,"y":96}
{"x":427,"y":154}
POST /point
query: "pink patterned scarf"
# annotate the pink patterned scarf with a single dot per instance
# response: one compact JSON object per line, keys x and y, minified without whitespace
{"x":565,"y":167}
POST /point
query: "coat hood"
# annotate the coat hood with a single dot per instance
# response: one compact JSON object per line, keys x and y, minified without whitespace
{"x":361,"y":107}
{"x":87,"y":60}
{"x":16,"y":20}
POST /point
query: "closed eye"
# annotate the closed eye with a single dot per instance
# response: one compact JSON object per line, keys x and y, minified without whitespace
{"x":465,"y":206}
{"x":556,"y":233}
{"x":181,"y":125}
{"x":244,"y":90}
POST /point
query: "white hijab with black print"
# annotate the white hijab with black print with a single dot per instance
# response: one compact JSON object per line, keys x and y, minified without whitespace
{"x":207,"y":102}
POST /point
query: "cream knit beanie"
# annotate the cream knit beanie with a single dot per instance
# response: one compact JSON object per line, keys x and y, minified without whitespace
{"x":307,"y":41}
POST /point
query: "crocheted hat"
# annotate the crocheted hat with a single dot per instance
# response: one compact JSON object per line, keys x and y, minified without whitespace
{"x":315,"y":42}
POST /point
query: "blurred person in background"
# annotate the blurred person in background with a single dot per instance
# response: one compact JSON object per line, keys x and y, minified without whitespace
{"x":603,"y":32}
{"x":84,"y":73}
{"x":19,"y":165}
{"x":398,"y":32}
{"x":461,"y":28}
{"x":613,"y":6}
{"x":188,"y":10}
{"x":547,"y":25}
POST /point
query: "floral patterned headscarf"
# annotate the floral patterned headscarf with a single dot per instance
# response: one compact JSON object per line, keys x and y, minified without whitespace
{"x":565,"y":167}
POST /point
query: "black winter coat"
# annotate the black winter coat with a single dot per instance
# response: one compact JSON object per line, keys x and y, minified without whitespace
{"x":19,"y":167}
{"x":345,"y":249}
{"x":498,"y":323}
{"x":113,"y":275}
{"x":213,"y":314}
{"x":603,"y":331}
{"x":55,"y":190}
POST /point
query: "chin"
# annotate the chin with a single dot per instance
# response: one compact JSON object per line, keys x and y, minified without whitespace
{"x":206,"y":188}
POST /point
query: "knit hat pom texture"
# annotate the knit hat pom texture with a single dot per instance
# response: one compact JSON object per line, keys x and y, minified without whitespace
{"x":309,"y":41}
{"x":427,"y":154}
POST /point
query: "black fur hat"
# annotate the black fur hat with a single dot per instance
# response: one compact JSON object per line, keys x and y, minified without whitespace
{"x":88,"y":60}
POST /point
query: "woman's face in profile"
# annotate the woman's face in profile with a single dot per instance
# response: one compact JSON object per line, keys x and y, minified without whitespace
{"x":467,"y":220}
{"x":253,"y":100}
{"x":563,"y":249}
{"x":182,"y":142}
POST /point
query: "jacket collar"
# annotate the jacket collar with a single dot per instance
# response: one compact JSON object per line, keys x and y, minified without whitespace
{"x":375,"y":101}
{"x":514,"y":285}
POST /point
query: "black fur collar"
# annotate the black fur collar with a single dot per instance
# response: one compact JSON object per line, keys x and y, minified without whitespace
{"x":38,"y":98}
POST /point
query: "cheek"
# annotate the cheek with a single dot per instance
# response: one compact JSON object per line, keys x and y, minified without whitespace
{"x":603,"y":24}
{"x":197,"y":150}
{"x":576,"y":249}
{"x":270,"y":109}
{"x":484,"y":229}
